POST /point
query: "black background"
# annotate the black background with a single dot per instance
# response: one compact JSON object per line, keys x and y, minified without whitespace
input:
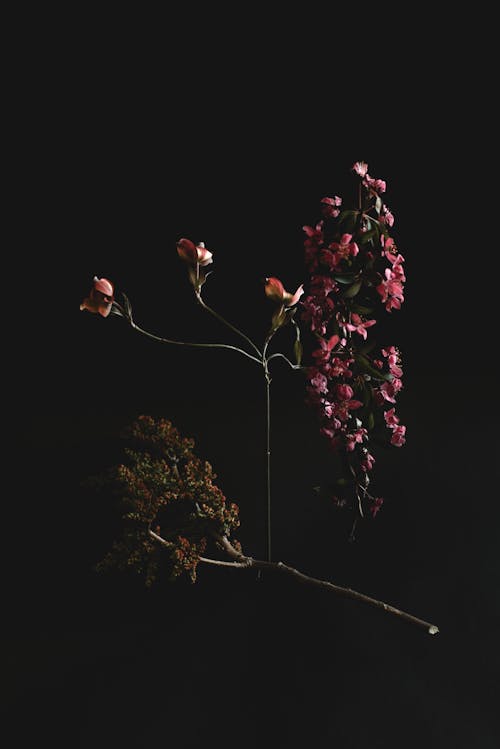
{"x":124,"y":143}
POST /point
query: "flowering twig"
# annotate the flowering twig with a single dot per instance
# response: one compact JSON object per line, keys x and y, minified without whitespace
{"x":354,"y":265}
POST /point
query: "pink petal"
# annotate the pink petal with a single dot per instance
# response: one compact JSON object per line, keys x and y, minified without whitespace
{"x":353,"y":404}
{"x":203,"y":255}
{"x":274,"y":289}
{"x":291,"y":300}
{"x":187,"y":250}
{"x":104,"y":286}
{"x":332,"y":342}
{"x":104,"y":309}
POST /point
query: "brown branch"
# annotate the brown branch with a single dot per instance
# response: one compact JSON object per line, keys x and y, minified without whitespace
{"x":241,"y":561}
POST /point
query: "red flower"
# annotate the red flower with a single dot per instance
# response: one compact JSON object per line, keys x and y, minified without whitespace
{"x":194,"y":254}
{"x":276,"y":291}
{"x":100,"y":298}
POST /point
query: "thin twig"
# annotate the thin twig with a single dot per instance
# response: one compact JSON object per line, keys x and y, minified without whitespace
{"x":227,"y":323}
{"x":195,"y":345}
{"x":220,"y":563}
{"x":293,"y":366}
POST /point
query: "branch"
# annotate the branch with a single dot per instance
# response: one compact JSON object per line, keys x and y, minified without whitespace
{"x":195,"y":345}
{"x":223,"y":320}
{"x":293,"y":366}
{"x":241,"y":561}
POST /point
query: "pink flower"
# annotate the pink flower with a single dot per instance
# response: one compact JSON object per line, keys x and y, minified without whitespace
{"x":391,"y":290}
{"x":276,"y":291}
{"x":378,"y":185}
{"x":355,"y":438}
{"x":319,"y":383}
{"x":322,"y":285}
{"x":367,"y":462}
{"x":345,"y":247}
{"x":193,"y":254}
{"x":330,"y":259}
{"x":398,"y":436}
{"x":391,"y":353}
{"x":358,"y":326}
{"x":360,"y":168}
{"x":329,"y":413}
{"x":389,"y":390}
{"x":389,"y":249}
{"x":393,"y":303}
{"x":314,"y":234}
{"x":344,"y":392}
{"x":327,"y":432}
{"x":329,"y":207}
{"x":386,"y":216}
{"x":100,"y":298}
{"x":390,"y":418}
{"x":340,"y":368}
{"x":317,"y":312}
{"x":393,"y":360}
{"x":325,"y":350}
{"x":343,"y":407}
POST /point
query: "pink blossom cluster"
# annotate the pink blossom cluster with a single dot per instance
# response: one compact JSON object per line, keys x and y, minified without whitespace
{"x":354,"y":266}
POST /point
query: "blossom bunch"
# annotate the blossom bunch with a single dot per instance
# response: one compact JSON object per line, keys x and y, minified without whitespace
{"x":355,"y":267}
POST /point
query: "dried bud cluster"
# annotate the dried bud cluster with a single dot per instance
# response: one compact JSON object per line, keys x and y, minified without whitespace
{"x":166,"y":489}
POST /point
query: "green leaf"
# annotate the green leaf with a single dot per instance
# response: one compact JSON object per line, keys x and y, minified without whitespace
{"x":367,"y":236}
{"x":342,"y":481}
{"x":348,"y":219}
{"x":361,"y":310}
{"x":352,"y":290}
{"x":378,"y":204}
{"x":367,"y":347}
{"x":343,"y":215}
{"x":370,"y":421}
{"x":297,"y":346}
{"x":345,"y":278}
{"x":279,"y":318}
{"x":365,"y":365}
{"x":297,"y":350}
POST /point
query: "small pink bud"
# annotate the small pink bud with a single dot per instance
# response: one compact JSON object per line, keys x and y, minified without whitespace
{"x":344,"y":392}
{"x":100,"y":298}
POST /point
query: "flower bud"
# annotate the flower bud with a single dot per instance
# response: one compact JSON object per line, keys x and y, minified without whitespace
{"x":100,"y":298}
{"x":193,"y":254}
{"x":344,"y":392}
